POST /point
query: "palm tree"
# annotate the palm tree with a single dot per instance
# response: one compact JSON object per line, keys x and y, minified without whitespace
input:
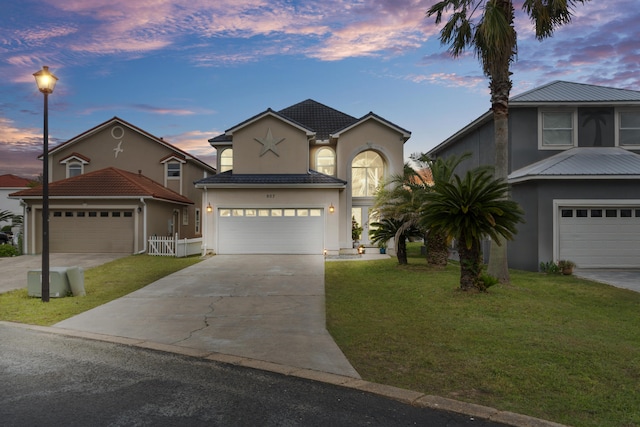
{"x":398,"y":201}
{"x":487,"y":26}
{"x":387,"y":229}
{"x":469,"y":209}
{"x":441,"y":171}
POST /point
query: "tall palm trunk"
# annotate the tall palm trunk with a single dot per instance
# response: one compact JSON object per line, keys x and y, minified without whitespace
{"x":498,"y":260}
{"x":497,"y":68}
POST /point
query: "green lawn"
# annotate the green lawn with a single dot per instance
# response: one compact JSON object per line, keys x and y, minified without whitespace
{"x":553,"y":347}
{"x":102,"y":284}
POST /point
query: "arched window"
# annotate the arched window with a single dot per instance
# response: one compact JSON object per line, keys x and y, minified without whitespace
{"x":367,"y":171}
{"x":226,"y":160}
{"x":326,"y":161}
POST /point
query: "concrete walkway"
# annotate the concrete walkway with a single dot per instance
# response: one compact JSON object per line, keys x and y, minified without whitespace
{"x":264,"y":307}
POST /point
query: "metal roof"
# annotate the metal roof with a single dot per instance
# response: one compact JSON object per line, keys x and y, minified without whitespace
{"x":561,"y":91}
{"x":583,"y":162}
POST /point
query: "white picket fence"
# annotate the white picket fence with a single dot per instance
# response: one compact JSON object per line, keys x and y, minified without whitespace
{"x":172,"y":246}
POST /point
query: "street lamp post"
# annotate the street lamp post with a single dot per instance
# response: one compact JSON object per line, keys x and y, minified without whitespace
{"x":46,"y":82}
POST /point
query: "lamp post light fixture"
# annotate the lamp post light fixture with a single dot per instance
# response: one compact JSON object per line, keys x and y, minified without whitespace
{"x":46,"y":82}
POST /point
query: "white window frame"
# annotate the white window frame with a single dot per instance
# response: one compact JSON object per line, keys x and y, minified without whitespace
{"x":185,"y":216}
{"x":179,"y":170}
{"x":74,"y":163}
{"x":619,"y":111}
{"x":197,"y":221}
{"x":333,"y":165}
{"x":574,"y":130}
{"x":224,"y":168}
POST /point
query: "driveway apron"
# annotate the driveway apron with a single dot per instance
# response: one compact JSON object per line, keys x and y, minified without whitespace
{"x":264,"y":307}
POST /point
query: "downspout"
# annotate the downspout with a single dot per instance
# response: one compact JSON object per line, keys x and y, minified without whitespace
{"x":24,"y":226}
{"x":204,"y":218}
{"x":144,"y":227}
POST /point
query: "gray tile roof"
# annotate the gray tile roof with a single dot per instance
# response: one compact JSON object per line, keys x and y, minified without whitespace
{"x":322,"y":119}
{"x":561,"y":91}
{"x":312,"y":179}
{"x":583,"y":162}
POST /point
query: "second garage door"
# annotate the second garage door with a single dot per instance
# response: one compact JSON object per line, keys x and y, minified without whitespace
{"x":270,"y":231}
{"x":600,"y":237}
{"x":91,"y":231}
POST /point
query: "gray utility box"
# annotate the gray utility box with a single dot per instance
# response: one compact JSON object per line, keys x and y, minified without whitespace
{"x":58,"y":283}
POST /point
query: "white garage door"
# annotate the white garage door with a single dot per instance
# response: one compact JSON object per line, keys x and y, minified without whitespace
{"x":270,"y":231}
{"x":98,"y":231}
{"x":600,"y":236}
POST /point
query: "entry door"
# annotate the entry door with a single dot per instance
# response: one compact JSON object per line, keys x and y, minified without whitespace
{"x":364,"y":216}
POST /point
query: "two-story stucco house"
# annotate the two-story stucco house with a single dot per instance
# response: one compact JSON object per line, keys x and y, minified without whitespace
{"x":290,"y":181}
{"x":574,"y":168}
{"x":112,"y":187}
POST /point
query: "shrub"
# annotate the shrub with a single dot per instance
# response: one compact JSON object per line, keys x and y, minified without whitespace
{"x":549,"y":267}
{"x":486,"y":281}
{"x":8,"y":251}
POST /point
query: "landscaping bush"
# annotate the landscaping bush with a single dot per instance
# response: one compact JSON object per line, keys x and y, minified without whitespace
{"x":8,"y":251}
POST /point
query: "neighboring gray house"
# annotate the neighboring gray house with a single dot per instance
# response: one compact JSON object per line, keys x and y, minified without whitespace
{"x":574,"y":167}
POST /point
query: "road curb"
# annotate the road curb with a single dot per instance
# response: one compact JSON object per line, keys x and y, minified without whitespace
{"x":410,"y":397}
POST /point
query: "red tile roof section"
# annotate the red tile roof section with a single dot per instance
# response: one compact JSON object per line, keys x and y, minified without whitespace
{"x":13,"y":181}
{"x":108,"y":182}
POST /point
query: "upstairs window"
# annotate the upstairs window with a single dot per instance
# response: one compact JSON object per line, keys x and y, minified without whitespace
{"x":367,"y":172}
{"x":226,"y":160}
{"x":74,"y":169}
{"x":557,"y":129}
{"x":326,"y":161}
{"x":173,"y":170}
{"x":629,"y":128}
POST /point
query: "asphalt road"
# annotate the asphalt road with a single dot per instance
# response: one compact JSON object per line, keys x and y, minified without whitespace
{"x":49,"y":379}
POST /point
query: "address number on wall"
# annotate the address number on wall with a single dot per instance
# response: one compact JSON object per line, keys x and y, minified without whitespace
{"x":271,"y":196}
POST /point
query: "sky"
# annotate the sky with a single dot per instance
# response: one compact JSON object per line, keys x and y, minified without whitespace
{"x":187,"y":70}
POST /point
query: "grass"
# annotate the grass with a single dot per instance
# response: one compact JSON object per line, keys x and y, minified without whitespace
{"x":102,"y":284}
{"x":553,"y":347}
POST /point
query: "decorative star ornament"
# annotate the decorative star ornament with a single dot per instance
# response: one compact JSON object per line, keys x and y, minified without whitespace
{"x":269,"y":143}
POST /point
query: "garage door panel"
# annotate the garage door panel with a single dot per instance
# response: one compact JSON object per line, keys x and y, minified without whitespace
{"x":270,"y":234}
{"x":593,"y":241}
{"x":71,"y":233}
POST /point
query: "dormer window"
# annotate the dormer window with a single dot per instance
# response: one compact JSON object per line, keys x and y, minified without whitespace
{"x":226,"y":160}
{"x":628,"y":128}
{"x":326,"y":161}
{"x":557,"y":129}
{"x":74,"y":164}
{"x":74,"y":169}
{"x":173,"y":170}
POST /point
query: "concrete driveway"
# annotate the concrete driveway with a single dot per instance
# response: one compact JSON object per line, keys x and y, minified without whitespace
{"x":264,"y":307}
{"x":13,"y":271}
{"x":627,"y":279}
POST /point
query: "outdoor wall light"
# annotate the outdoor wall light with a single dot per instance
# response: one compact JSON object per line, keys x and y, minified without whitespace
{"x":331,"y":208}
{"x":46,"y":82}
{"x":209,"y":208}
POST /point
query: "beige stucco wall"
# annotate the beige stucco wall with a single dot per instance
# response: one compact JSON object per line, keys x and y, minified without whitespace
{"x":140,"y":153}
{"x":293,"y":151}
{"x":370,"y":135}
{"x":272,"y":198}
